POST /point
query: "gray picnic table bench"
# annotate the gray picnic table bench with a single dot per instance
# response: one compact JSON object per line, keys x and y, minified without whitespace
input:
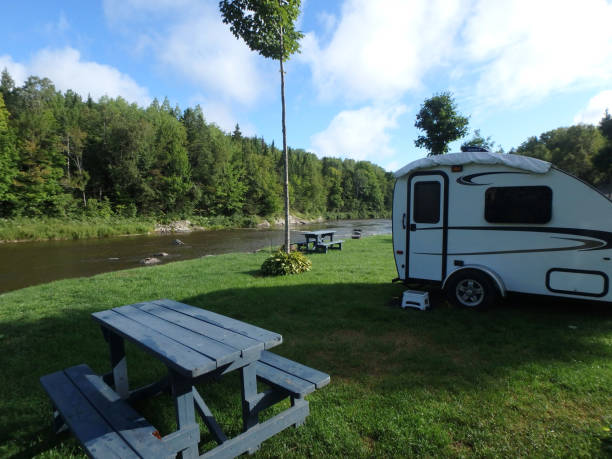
{"x":195,"y":345}
{"x":319,"y":241}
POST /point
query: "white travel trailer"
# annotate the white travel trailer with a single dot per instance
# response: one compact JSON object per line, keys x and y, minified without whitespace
{"x":482,"y":224}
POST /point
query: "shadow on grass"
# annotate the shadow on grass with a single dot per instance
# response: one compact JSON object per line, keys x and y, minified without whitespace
{"x":354,"y":332}
{"x":347,"y":330}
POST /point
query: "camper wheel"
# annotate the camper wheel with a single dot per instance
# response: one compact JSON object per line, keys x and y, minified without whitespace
{"x":472,"y":289}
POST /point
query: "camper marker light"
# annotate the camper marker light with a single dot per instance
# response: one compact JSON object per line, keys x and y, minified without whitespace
{"x":456,"y":168}
{"x":399,"y":252}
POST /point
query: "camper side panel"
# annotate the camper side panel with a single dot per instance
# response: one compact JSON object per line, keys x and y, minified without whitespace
{"x":571,"y":246}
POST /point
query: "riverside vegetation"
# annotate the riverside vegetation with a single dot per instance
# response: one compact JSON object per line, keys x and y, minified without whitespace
{"x":524,"y":379}
{"x":69,"y":158}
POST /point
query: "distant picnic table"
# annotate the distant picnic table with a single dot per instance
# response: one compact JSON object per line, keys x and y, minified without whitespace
{"x":319,"y":241}
{"x":195,"y":345}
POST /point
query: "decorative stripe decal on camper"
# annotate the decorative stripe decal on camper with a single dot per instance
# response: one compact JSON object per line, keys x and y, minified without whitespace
{"x":587,"y":244}
{"x":467,"y":179}
{"x":600,"y":240}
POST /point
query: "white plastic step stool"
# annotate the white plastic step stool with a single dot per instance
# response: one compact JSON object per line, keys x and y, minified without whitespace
{"x":415,"y":299}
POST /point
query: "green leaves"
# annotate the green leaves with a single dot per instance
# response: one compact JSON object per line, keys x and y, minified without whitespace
{"x":8,"y":154}
{"x":442,"y":124}
{"x":572,"y":149}
{"x":282,"y":263}
{"x":266,"y":26}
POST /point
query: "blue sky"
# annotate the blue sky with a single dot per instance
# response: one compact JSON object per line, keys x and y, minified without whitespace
{"x":517,"y":68}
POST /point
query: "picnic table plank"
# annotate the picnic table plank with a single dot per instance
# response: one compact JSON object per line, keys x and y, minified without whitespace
{"x":221,"y":353}
{"x":223,"y":335}
{"x":130,"y":425}
{"x":320,"y":232}
{"x":96,"y":435}
{"x":289,"y":382}
{"x":269,"y":338}
{"x":183,"y":359}
{"x":316,"y":377}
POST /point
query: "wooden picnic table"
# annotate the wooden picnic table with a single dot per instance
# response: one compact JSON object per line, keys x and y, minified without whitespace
{"x":319,"y":240}
{"x":195,"y":345}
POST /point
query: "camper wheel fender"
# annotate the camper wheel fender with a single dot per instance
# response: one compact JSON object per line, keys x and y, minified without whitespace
{"x":488,"y":271}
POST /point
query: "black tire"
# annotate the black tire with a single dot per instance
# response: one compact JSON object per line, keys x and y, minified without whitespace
{"x":470,"y":288}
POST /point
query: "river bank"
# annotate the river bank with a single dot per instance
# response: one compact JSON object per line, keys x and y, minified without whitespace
{"x":37,"y":262}
{"x":46,"y":229}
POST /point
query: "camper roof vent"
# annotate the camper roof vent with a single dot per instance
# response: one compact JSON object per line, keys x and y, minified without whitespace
{"x":465,"y":148}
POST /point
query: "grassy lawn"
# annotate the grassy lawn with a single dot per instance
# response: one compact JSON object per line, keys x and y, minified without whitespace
{"x":522,"y":379}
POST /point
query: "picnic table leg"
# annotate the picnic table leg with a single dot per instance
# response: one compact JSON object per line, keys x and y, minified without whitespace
{"x":250,"y":417}
{"x":182,"y":391}
{"x":296,"y":402}
{"x":59,"y":425}
{"x":118,"y":363}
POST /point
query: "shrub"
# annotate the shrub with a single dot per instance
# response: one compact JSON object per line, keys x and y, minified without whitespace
{"x":281,"y":263}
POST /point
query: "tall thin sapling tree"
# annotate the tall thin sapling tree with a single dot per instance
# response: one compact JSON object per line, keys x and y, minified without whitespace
{"x":268,"y":27}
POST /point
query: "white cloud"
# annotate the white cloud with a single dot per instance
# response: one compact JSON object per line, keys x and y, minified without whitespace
{"x":381,"y":50}
{"x":506,"y":51}
{"x":595,"y":109}
{"x":65,"y":68}
{"x":526,"y":50}
{"x":359,"y":134}
{"x":204,"y":50}
{"x":195,"y":44}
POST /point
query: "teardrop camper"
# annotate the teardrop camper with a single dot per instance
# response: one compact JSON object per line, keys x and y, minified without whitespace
{"x":482,"y":224}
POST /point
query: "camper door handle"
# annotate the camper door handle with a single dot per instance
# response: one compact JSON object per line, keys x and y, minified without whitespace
{"x":404,"y":221}
{"x":413,"y":227}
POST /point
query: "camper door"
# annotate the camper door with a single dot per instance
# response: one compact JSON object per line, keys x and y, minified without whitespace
{"x":426,"y":238}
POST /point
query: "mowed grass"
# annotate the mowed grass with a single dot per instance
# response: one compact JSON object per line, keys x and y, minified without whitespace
{"x":525,"y":378}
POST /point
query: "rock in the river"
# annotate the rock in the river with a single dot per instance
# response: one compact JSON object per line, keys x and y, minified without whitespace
{"x":178,"y":242}
{"x":160,"y":254}
{"x":264,"y":224}
{"x":113,"y":259}
{"x":150,"y":261}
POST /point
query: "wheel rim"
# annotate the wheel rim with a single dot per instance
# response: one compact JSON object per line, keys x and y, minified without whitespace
{"x":470,"y":292}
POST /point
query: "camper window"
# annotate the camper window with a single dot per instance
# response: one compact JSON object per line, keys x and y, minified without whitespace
{"x":426,"y":202}
{"x":518,"y":204}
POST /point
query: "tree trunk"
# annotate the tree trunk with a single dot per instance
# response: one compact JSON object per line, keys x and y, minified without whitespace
{"x":285,"y":156}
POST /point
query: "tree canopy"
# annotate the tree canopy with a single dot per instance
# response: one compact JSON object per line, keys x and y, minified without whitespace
{"x":572,"y":149}
{"x":439,"y":119}
{"x":61,"y":155}
{"x":260,"y":23}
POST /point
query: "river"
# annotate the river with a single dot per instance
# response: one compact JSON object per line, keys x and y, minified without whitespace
{"x":30,"y":263}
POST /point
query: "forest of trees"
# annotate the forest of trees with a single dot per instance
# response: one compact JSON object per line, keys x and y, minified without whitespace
{"x":582,"y":150}
{"x":61,"y":155}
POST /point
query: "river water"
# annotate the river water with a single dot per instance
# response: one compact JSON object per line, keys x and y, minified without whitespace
{"x":30,"y":263}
